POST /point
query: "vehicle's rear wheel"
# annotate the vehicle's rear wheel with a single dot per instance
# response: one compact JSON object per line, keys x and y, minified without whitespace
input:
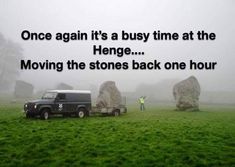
{"x":116,"y":113}
{"x":45,"y":114}
{"x":81,"y":113}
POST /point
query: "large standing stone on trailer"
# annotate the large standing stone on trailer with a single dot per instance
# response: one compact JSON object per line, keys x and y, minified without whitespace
{"x":109,"y":95}
{"x":64,"y":86}
{"x":23,"y":89}
{"x":186,"y":94}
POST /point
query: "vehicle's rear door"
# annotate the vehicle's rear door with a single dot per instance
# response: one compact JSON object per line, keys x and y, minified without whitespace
{"x":72,"y":102}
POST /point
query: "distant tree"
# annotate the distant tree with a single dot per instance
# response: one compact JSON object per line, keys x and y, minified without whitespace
{"x":10,"y":56}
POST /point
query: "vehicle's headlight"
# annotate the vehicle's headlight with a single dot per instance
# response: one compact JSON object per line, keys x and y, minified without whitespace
{"x":35,"y":106}
{"x":26,"y":105}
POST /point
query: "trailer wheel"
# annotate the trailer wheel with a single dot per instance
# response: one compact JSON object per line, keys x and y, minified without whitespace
{"x":116,"y":113}
{"x":124,"y":110}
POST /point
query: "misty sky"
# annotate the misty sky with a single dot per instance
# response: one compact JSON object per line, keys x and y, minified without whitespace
{"x":133,"y":16}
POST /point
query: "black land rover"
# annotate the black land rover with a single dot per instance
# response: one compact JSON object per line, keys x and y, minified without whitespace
{"x":63,"y":102}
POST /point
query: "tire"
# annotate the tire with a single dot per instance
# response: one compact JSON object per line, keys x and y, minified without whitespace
{"x":81,"y":113}
{"x":125,"y":110}
{"x":27,"y":115}
{"x":45,"y":114}
{"x":116,"y":113}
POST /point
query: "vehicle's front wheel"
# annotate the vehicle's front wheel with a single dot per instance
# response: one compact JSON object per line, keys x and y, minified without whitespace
{"x":45,"y":114}
{"x":27,"y":114}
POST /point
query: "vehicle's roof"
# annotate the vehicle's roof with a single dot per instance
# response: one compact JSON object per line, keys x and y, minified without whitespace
{"x":71,"y":91}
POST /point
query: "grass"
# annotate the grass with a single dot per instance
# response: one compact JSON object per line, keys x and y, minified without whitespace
{"x":158,"y":137}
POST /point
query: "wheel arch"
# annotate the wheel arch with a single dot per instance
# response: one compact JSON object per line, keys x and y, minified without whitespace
{"x":43,"y":107}
{"x":79,"y":107}
{"x":83,"y":107}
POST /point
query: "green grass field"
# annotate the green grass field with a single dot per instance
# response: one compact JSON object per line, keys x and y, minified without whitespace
{"x":158,"y":137}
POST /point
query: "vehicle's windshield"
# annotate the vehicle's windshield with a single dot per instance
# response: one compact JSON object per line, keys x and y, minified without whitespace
{"x":49,"y":95}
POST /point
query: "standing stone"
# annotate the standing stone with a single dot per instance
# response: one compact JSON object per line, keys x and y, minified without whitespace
{"x":23,"y":89}
{"x":109,"y":95}
{"x":186,"y":94}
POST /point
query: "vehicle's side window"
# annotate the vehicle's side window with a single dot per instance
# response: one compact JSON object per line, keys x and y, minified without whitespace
{"x":61,"y":96}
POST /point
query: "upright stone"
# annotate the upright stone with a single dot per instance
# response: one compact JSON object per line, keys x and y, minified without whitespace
{"x":186,"y":94}
{"x":109,"y":95}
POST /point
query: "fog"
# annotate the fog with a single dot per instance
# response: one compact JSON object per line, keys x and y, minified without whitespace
{"x":132,"y":16}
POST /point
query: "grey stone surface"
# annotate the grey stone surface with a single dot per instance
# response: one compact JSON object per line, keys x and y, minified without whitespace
{"x":109,"y":95}
{"x":186,"y":94}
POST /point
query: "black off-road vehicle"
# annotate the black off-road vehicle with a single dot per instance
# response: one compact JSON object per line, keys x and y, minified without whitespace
{"x":60,"y":102}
